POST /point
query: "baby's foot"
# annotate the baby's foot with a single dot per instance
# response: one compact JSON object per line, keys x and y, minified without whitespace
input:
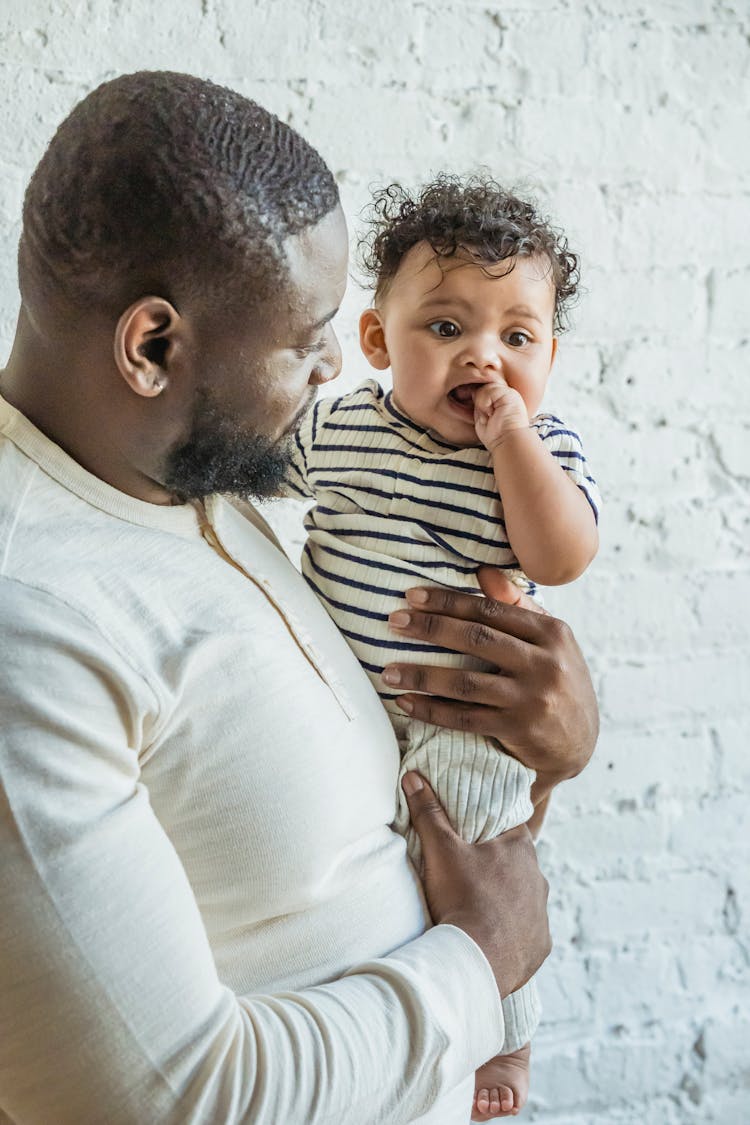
{"x":501,"y":1086}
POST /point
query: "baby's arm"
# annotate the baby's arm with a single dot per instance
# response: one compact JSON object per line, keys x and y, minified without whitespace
{"x":549,"y":522}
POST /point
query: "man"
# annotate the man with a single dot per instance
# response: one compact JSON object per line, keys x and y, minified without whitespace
{"x":204,"y":916}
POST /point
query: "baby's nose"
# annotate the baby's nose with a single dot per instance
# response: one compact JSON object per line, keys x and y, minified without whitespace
{"x":484,"y":353}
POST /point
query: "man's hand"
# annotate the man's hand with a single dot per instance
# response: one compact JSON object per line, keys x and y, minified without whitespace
{"x":540,"y":702}
{"x":493,"y":891}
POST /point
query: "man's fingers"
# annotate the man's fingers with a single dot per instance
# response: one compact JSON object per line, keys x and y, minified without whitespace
{"x":485,"y":688}
{"x":455,"y":716}
{"x":478,"y":635}
{"x":512,"y":620}
{"x":427,"y":814}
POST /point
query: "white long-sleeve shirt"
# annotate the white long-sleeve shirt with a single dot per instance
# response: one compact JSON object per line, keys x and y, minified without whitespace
{"x":204,"y":917}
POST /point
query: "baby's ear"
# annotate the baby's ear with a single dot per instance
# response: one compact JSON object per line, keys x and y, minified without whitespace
{"x":553,"y":353}
{"x":372,"y":339}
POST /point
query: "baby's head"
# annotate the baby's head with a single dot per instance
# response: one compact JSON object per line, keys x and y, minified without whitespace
{"x":471,"y":285}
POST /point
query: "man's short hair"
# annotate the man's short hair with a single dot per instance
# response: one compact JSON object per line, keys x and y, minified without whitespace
{"x":162,"y":183}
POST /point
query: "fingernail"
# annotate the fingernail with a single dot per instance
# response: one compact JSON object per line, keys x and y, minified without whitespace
{"x":417,"y":597}
{"x":392,"y":675}
{"x":411,"y":783}
{"x":406,"y":705}
{"x":400,"y":618}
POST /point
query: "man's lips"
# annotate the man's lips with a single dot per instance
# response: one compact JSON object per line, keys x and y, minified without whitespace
{"x":306,"y":407}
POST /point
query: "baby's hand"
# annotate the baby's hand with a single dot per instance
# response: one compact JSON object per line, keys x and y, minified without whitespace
{"x":498,"y":409}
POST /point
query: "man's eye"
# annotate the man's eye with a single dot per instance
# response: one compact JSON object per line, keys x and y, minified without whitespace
{"x":310,"y":349}
{"x":445,"y":328}
{"x":518,"y":339}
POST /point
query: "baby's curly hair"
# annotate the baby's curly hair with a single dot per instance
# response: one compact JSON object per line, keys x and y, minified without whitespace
{"x":474,"y":214}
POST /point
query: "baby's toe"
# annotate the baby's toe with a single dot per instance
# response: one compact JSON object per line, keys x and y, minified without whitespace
{"x":505,"y":1099}
{"x":482,"y":1101}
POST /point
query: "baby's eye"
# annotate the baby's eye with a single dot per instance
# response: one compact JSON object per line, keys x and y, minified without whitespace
{"x":445,"y":328}
{"x":518,"y":339}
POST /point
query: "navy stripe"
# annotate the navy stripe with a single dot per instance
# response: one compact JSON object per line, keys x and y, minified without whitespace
{"x":388,"y":403}
{"x":355,"y":611}
{"x":343,"y":605}
{"x":594,"y":508}
{"x":349,"y":427}
{"x":382,"y":535}
{"x":301,"y":448}
{"x":378,"y":565}
{"x":560,"y":433}
{"x":399,"y":646}
{"x":415,"y":543}
{"x":295,"y":488}
{"x":577,"y":471}
{"x":366,"y":393}
{"x":396,"y":434}
{"x":341,"y":581}
{"x":423,"y":503}
{"x":436,"y":459}
{"x":364,"y":405}
{"x":490,"y":494}
{"x":570,"y":454}
{"x":431,"y":529}
{"x":298,"y":471}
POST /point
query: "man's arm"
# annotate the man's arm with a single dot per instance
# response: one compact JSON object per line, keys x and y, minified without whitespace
{"x":110,"y":1004}
{"x":539,"y":704}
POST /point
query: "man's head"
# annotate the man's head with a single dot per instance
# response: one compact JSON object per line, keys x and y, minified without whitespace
{"x":471,"y":283}
{"x":205,"y":238}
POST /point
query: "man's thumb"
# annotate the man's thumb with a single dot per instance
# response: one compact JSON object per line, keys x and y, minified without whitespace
{"x":495,"y":585}
{"x":427,"y":814}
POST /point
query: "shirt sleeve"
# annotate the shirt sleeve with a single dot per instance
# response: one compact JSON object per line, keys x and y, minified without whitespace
{"x":566,"y":447}
{"x":111,"y":1009}
{"x":299,"y":481}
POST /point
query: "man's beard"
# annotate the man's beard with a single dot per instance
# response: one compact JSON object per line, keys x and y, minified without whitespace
{"x":219,"y":456}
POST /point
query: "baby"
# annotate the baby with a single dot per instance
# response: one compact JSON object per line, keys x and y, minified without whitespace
{"x":453,"y":470}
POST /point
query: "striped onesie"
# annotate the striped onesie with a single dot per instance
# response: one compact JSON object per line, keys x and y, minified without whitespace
{"x":396,"y":506}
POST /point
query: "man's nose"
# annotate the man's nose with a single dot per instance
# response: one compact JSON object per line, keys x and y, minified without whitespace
{"x":329,"y":366}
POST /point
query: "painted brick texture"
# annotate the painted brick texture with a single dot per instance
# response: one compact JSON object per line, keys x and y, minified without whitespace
{"x":629,"y":121}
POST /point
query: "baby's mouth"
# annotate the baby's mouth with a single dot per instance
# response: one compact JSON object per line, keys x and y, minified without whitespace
{"x":462,"y":397}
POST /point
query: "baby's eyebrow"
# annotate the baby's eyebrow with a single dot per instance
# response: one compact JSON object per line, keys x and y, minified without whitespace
{"x":446,"y":302}
{"x":524,"y":311}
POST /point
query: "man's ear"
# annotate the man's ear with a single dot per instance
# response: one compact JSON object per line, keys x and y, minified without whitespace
{"x":372,"y":339}
{"x":147,"y":338}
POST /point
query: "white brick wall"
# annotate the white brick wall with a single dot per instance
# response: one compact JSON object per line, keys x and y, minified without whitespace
{"x":630,"y":120}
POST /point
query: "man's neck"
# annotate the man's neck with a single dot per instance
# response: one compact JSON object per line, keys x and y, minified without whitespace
{"x":54,"y":387}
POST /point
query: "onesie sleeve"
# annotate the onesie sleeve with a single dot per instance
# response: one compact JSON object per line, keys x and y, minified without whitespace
{"x":299,"y":481}
{"x":111,"y":1007}
{"x":566,"y":447}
